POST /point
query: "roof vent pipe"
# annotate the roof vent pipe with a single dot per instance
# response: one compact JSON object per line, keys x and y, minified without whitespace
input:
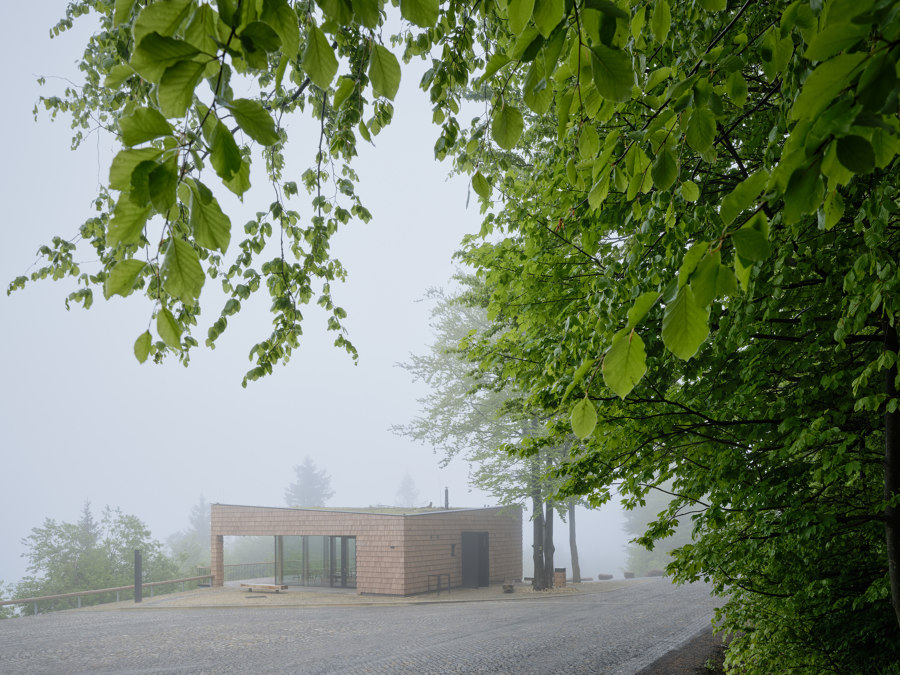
{"x":446,"y":498}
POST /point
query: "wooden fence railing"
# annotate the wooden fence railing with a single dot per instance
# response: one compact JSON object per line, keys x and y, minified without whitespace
{"x":117,"y":590}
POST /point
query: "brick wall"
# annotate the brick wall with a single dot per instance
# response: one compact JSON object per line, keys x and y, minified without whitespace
{"x":394,"y":553}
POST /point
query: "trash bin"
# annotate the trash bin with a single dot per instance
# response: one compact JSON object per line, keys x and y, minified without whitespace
{"x":559,"y":577}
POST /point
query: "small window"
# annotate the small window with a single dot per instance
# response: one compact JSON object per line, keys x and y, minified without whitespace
{"x":453,"y":550}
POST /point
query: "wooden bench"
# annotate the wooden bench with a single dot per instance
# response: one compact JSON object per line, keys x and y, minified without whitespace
{"x":265,"y":587}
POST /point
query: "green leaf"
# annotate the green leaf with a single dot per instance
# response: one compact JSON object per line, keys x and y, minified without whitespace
{"x":127,"y":223}
{"x":422,"y":13}
{"x":519,"y":12}
{"x":481,"y":186}
{"x":833,"y":210}
{"x":684,"y":325}
{"x":384,"y":72}
{"x":211,"y":227}
{"x":162,"y":182}
{"x":176,"y":87}
{"x":625,"y":363}
{"x":608,"y":7}
{"x":834,"y":38}
{"x":507,"y":126}
{"x":117,"y":75}
{"x":824,"y":84}
{"x":583,"y":418}
{"x":144,"y":124}
{"x":712,"y":280}
{"x":124,"y":163}
{"x":690,"y":191}
{"x":599,"y":191}
{"x":239,"y":183}
{"x":640,"y":307}
{"x":538,"y":96}
{"x":661,"y":20}
{"x":168,"y":328}
{"x":122,"y":11}
{"x":803,"y":193}
{"x":122,"y":278}
{"x":203,"y":30}
{"x":140,"y":183}
{"x":345,"y":87}
{"x":339,"y":10}
{"x":367,"y":11}
{"x":319,"y":60}
{"x":495,"y":63}
{"x":701,"y":130}
{"x":254,"y":120}
{"x":182,"y":274}
{"x":713,"y":5}
{"x":548,"y":14}
{"x":664,"y":170}
{"x":691,"y":259}
{"x":142,"y":346}
{"x":750,"y":243}
{"x":583,"y":370}
{"x":742,"y":271}
{"x":736,"y":88}
{"x":613,"y":72}
{"x":156,"y":53}
{"x":161,"y":17}
{"x":856,"y":154}
{"x":225,"y":155}
{"x":258,"y":36}
{"x":283,"y":20}
{"x":743,"y":196}
{"x":588,"y":142}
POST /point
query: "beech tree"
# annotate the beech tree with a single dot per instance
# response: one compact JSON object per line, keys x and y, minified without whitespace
{"x":690,"y":209}
{"x":470,"y":413}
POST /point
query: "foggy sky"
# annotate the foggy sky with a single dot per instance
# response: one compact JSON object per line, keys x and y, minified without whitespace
{"x":80,"y":419}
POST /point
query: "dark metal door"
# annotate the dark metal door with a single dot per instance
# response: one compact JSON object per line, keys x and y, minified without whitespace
{"x":475,"y":559}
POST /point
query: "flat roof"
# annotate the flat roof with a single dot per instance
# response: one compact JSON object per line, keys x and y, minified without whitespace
{"x":369,"y":510}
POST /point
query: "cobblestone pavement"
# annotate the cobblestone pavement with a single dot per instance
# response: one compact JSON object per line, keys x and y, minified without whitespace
{"x":620,"y":630}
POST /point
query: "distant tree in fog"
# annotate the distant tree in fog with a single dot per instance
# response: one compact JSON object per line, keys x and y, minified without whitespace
{"x":407,"y":494}
{"x":311,"y":487}
{"x":639,"y":558}
{"x":190,"y":547}
{"x":88,"y":555}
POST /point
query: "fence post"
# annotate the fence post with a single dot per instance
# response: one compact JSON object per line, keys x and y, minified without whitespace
{"x":35,"y":607}
{"x":138,"y":577}
{"x":117,"y":596}
{"x":79,"y":602}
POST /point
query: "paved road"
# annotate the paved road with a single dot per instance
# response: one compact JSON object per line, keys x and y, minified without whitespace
{"x":619,"y":631}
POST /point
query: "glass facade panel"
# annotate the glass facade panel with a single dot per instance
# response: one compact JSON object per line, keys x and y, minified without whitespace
{"x":315,"y":561}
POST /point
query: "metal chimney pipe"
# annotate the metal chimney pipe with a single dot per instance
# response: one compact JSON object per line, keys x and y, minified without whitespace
{"x":446,"y":498}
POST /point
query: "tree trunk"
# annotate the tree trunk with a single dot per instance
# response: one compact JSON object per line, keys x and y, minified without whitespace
{"x":537,"y":522}
{"x":548,"y":544}
{"x":573,"y":544}
{"x":892,"y":471}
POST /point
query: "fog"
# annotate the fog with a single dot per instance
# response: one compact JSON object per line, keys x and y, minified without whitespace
{"x":81,"y":420}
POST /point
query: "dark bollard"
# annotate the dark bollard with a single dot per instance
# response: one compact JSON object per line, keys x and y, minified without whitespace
{"x":138,"y":577}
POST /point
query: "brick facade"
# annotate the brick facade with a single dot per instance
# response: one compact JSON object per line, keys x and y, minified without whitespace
{"x":395,"y":553}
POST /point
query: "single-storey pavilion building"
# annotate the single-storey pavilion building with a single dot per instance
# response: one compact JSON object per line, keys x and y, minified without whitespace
{"x":385,"y":551}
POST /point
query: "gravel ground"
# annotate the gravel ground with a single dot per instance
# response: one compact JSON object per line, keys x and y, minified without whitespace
{"x":594,"y":628}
